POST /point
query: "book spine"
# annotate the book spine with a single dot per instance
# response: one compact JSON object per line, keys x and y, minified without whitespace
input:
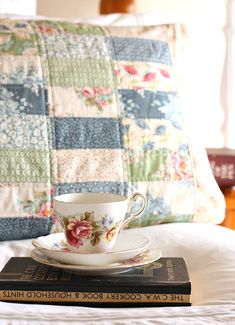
{"x":223,"y":169}
{"x":95,"y":298}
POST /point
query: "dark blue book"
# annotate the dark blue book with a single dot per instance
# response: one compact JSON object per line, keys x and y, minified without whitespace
{"x":165,"y":282}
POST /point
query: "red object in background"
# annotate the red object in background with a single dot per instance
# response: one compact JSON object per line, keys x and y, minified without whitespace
{"x":222,"y":162}
{"x":117,"y":6}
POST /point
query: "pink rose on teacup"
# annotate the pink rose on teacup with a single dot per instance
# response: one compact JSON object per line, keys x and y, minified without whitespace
{"x":77,"y":231}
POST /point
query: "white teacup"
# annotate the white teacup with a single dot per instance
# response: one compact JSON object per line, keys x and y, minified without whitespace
{"x":92,"y":221}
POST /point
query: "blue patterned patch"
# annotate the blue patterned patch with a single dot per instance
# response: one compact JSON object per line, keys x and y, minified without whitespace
{"x":23,"y":132}
{"x":86,"y":133}
{"x":144,"y":104}
{"x":136,"y":49}
{"x":104,"y":187}
{"x":173,"y":112}
{"x":18,"y":99}
{"x":22,"y":228}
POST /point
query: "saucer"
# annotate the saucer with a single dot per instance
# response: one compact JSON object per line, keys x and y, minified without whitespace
{"x":126,"y":247}
{"x":119,"y":267}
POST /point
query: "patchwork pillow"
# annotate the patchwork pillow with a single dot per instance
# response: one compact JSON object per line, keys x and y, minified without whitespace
{"x":87,"y":108}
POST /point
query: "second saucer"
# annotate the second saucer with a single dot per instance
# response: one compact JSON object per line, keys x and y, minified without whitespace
{"x":127,"y":246}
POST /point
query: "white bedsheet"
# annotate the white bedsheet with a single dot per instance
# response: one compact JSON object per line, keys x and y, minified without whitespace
{"x":35,"y":314}
{"x":210,"y":254}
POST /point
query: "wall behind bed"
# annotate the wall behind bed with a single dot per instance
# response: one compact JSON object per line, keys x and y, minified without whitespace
{"x":68,"y":9}
{"x":88,"y":8}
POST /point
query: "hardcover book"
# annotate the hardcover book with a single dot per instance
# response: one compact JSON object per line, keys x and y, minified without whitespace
{"x":222,"y":162}
{"x":165,"y":282}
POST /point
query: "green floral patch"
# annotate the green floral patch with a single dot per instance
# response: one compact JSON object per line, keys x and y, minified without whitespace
{"x":76,"y":72}
{"x":147,"y":166}
{"x":17,"y":44}
{"x":159,"y":165}
{"x":46,"y":26}
{"x":24,"y":166}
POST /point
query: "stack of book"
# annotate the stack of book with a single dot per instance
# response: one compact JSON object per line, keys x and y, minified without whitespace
{"x":222,"y":162}
{"x":165,"y":282}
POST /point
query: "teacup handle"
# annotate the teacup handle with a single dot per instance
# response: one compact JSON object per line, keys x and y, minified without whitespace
{"x":135,"y":215}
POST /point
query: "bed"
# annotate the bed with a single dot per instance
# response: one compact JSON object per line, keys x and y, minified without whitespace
{"x":197,"y":205}
{"x":209,"y":251}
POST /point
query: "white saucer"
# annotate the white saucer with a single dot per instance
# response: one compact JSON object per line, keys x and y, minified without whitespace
{"x":120,"y":267}
{"x":127,"y":246}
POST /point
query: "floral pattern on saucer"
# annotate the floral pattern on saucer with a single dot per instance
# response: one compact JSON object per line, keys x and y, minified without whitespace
{"x":127,"y":246}
{"x":137,"y":259}
{"x":114,"y":268}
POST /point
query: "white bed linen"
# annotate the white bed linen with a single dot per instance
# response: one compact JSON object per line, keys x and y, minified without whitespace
{"x":210,"y":254}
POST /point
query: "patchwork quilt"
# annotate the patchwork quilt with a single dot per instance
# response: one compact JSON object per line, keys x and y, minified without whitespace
{"x":89,"y":109}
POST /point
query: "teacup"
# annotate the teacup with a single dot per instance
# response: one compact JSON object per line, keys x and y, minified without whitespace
{"x":92,"y":221}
